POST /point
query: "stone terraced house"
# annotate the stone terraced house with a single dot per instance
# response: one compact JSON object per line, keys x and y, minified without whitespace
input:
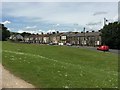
{"x":75,"y":38}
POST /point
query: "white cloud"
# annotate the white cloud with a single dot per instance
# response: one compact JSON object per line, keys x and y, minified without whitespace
{"x":21,"y":31}
{"x":93,"y":27}
{"x":64,"y":31}
{"x":29,"y":31}
{"x":59,"y":13}
{"x":115,"y":18}
{"x":94,"y":23}
{"x":30,"y":27}
{"x":6,"y":22}
{"x":57,"y":24}
{"x":76,"y":30}
{"x":9,"y":29}
{"x":50,"y":31}
{"x":55,"y":12}
{"x":99,"y":13}
{"x":40,"y":30}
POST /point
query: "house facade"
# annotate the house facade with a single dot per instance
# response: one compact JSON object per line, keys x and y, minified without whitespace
{"x":46,"y":38}
{"x":17,"y":37}
{"x":55,"y":38}
{"x":82,"y":39}
{"x":74,"y":38}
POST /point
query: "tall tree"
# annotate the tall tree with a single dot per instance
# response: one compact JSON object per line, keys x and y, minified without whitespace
{"x":111,"y":35}
{"x":5,"y":32}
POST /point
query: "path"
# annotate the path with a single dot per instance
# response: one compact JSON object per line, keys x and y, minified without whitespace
{"x":11,"y":81}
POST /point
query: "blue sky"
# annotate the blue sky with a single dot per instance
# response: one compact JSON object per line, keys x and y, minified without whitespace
{"x":37,"y":17}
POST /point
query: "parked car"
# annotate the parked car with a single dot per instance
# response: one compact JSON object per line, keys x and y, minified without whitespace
{"x":68,"y":44}
{"x":103,"y":48}
{"x":60,"y":44}
{"x":52,"y":44}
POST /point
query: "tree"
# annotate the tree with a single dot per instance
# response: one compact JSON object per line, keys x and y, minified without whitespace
{"x":111,"y":35}
{"x":25,"y":34}
{"x":5,"y":33}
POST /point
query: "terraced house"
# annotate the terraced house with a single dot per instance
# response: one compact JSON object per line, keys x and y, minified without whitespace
{"x":81,"y":38}
{"x":74,"y":38}
{"x":55,"y":37}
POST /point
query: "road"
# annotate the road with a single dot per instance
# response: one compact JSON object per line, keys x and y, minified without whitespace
{"x":95,"y":48}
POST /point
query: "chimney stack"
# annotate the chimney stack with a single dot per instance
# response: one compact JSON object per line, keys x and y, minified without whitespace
{"x":42,"y":33}
{"x":57,"y":31}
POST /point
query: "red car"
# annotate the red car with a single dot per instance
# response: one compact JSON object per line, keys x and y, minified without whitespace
{"x":103,"y":48}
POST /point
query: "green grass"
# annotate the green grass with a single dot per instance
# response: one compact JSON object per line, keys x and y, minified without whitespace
{"x":47,"y":66}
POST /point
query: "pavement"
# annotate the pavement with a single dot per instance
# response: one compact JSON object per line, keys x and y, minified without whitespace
{"x":8,"y":80}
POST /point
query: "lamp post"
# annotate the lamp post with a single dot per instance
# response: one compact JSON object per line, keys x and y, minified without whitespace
{"x":84,"y":36}
{"x":105,"y":20}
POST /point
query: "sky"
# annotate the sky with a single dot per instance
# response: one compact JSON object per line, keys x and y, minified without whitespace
{"x":60,"y":0}
{"x":37,"y":17}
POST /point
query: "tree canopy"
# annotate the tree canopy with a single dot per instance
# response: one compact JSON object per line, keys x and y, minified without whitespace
{"x":111,"y":35}
{"x":25,"y":34}
{"x":5,"y":32}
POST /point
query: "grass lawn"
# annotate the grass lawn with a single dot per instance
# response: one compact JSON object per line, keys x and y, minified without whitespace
{"x":47,"y":66}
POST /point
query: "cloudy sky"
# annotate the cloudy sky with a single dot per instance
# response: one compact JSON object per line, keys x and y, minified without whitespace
{"x":37,"y":17}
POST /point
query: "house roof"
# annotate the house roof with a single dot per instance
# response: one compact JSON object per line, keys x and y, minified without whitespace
{"x":92,"y":34}
{"x":72,"y":34}
{"x":46,"y":35}
{"x":68,"y":34}
{"x":56,"y":34}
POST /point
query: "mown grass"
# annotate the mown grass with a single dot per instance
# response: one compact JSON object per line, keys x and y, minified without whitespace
{"x":47,"y":66}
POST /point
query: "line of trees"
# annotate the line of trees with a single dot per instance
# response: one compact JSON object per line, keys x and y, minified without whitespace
{"x":111,"y":35}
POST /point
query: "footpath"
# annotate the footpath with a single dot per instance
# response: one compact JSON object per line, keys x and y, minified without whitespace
{"x":8,"y":80}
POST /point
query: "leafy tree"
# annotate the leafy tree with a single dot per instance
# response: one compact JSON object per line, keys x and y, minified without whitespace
{"x":5,"y":33}
{"x":25,"y":34}
{"x":111,"y":35}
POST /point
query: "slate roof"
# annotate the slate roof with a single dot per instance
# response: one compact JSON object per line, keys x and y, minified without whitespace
{"x":72,"y":34}
{"x":68,"y":34}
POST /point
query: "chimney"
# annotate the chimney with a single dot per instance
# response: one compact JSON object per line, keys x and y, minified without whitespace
{"x":57,"y":31}
{"x":76,"y":32}
{"x":99,"y":30}
{"x":53,"y":32}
